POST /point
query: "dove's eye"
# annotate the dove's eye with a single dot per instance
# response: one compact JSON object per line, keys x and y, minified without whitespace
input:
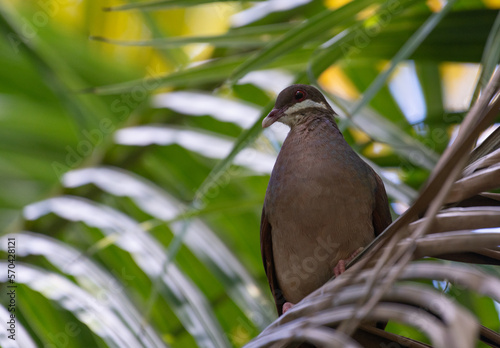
{"x":300,"y":95}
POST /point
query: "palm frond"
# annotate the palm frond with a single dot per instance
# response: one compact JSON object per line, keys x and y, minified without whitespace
{"x":371,"y":291}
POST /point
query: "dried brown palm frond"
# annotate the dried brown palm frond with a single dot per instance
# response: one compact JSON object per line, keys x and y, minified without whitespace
{"x":441,"y":224}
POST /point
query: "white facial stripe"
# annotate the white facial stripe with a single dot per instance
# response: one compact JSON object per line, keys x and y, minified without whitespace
{"x":308,"y":103}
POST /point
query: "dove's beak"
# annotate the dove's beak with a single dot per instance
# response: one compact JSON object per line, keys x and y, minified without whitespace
{"x":273,"y":116}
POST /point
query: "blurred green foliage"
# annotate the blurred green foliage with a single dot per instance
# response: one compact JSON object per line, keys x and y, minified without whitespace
{"x":136,"y":219}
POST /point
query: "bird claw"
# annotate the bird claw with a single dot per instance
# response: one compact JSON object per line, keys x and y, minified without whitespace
{"x":287,"y":306}
{"x":340,"y":267}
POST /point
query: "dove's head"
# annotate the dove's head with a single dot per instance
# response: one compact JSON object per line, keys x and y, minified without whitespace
{"x":294,"y":104}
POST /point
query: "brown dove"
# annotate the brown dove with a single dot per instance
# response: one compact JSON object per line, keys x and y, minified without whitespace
{"x":323,"y":203}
